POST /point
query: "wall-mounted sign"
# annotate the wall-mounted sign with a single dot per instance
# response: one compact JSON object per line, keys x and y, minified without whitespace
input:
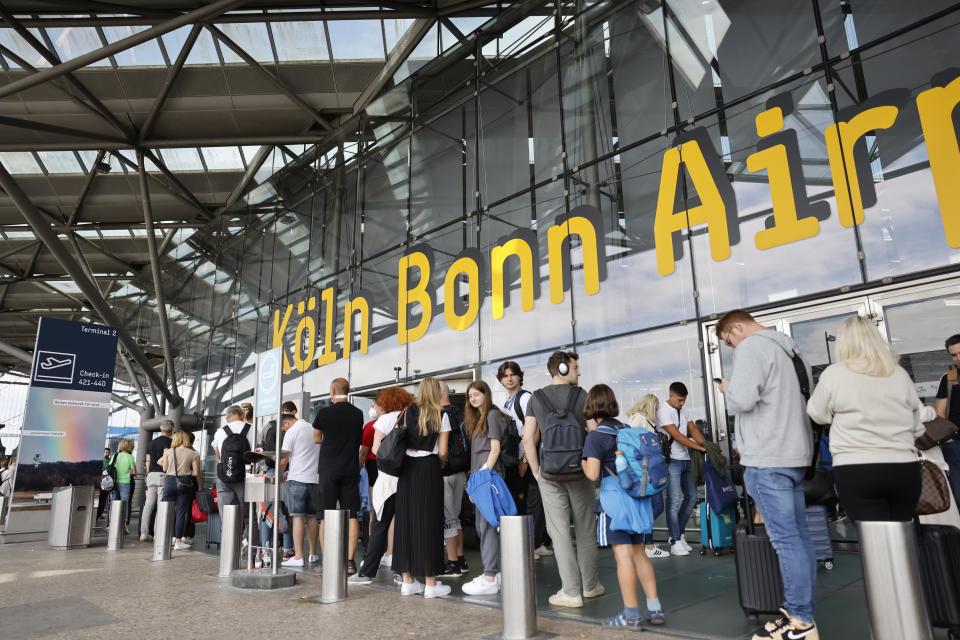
{"x":269,"y":381}
{"x":68,"y":407}
{"x":714,"y":207}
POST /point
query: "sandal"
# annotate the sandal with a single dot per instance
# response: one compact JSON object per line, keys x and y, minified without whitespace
{"x":656,"y":617}
{"x":620,"y":620}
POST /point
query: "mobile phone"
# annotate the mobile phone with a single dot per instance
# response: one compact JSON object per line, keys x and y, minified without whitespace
{"x":717,"y":380}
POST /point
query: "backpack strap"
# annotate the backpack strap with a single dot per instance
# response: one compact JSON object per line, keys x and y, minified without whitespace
{"x":951,"y":380}
{"x":246,"y":430}
{"x":226,"y":428}
{"x":572,"y":400}
{"x":610,"y":431}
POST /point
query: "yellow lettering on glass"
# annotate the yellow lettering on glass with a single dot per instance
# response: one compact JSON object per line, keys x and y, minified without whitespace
{"x":582,"y":227}
{"x":329,"y":354}
{"x":417,"y":294}
{"x":936,"y":107}
{"x":471,"y":269}
{"x":279,"y":328}
{"x":498,"y":255}
{"x":840,"y":139}
{"x":310,"y":327}
{"x":711,"y":211}
{"x":787,"y":226}
{"x":361,"y":306}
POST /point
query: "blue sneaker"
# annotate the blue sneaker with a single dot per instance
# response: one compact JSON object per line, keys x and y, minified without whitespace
{"x":619,"y":620}
{"x":656,"y":617}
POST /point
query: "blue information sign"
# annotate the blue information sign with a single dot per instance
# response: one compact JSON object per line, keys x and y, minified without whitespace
{"x":269,"y":381}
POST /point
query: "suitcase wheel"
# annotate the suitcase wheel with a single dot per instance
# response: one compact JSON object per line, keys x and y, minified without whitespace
{"x":828,"y":565}
{"x":703,"y":551}
{"x":716,"y":553}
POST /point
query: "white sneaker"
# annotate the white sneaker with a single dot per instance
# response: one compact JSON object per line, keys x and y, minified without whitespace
{"x":181,"y":547}
{"x":686,"y":545}
{"x":386,"y":561}
{"x":258,"y":561}
{"x":292,"y":562}
{"x":480,"y":586}
{"x":314,"y":558}
{"x":267,"y":560}
{"x":560,"y":599}
{"x":596,"y":592}
{"x":187,"y":540}
{"x":411,"y":589}
{"x":677,"y":549}
{"x":543,"y":550}
{"x":436,"y":590}
{"x":656,"y":552}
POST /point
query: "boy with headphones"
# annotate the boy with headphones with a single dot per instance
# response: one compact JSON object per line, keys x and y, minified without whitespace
{"x":569,"y":492}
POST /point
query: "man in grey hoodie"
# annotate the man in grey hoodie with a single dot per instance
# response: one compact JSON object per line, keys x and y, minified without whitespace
{"x":775,"y":443}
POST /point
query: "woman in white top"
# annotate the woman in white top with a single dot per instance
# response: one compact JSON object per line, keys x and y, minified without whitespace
{"x":644,"y":415}
{"x":418,"y":529}
{"x":874,"y":412}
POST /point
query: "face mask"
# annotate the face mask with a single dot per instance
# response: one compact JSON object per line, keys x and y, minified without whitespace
{"x":372,"y":412}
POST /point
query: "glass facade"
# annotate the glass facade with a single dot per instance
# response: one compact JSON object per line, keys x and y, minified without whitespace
{"x":691,"y":149}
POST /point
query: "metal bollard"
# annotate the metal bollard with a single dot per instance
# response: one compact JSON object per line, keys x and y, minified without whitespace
{"x":118,"y":515}
{"x":518,"y":595}
{"x":163,"y":531}
{"x":333,"y":582}
{"x":230,"y":532}
{"x":891,"y":576}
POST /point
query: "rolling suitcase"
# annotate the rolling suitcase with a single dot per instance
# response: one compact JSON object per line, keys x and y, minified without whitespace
{"x":939,"y":556}
{"x":716,"y":529}
{"x":819,"y":528}
{"x":213,"y":528}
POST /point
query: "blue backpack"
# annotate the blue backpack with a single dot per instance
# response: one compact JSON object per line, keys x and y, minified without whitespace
{"x":641,"y":468}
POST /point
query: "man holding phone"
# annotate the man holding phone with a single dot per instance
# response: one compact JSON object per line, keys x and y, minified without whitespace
{"x":673,"y":420}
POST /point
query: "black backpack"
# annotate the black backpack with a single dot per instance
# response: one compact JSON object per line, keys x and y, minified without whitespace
{"x":458,"y":452}
{"x":510,"y":445}
{"x":231,"y":466}
{"x":561,"y":440}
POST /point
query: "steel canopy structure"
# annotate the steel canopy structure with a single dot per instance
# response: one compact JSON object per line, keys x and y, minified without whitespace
{"x":135,"y":135}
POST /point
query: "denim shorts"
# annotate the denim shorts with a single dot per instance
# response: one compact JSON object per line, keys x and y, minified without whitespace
{"x":301,"y":498}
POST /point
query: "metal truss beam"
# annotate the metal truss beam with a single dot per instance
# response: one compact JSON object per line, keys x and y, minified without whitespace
{"x":258,"y":159}
{"x":177,"y":190}
{"x":277,"y":82}
{"x":172,"y":75}
{"x":96,"y":301}
{"x":164,"y":143}
{"x":43,"y":127}
{"x":203,"y":13}
{"x":54,"y":60}
{"x":75,"y":214}
{"x":157,"y":283}
{"x":401,"y":51}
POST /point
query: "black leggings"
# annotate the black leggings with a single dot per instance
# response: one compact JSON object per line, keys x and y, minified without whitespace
{"x":885,"y":492}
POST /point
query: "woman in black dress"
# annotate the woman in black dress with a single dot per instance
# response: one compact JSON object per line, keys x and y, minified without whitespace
{"x":418,"y":527}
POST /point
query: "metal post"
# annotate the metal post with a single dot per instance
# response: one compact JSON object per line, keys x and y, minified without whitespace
{"x":230,"y":531}
{"x":163,"y":530}
{"x":250,"y":550}
{"x":892,"y":580}
{"x":516,"y":566}
{"x":118,"y":515}
{"x":333,"y":584}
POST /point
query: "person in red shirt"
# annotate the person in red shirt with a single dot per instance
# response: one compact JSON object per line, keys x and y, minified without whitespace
{"x":367,"y":458}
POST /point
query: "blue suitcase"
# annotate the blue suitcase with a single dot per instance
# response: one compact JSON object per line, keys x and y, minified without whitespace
{"x":819,"y":528}
{"x":716,"y":529}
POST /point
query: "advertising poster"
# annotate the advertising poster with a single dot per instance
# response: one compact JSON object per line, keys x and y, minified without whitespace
{"x":68,"y":407}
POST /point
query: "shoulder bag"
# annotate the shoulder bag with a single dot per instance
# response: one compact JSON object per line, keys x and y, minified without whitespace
{"x":934,"y":490}
{"x":181,"y":485}
{"x":939,"y":430}
{"x":393,"y":448}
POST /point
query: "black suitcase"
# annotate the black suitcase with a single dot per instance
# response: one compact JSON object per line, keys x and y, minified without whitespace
{"x":939,"y":555}
{"x":758,"y":571}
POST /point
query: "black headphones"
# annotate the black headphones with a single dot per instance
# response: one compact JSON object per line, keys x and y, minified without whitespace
{"x":563,"y":368}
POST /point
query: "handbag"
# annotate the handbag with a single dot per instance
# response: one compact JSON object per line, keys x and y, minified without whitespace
{"x":939,"y":430}
{"x":181,"y":485}
{"x":934,"y":490}
{"x":625,"y":512}
{"x":393,"y":448}
{"x":819,"y":490}
{"x":196,"y":514}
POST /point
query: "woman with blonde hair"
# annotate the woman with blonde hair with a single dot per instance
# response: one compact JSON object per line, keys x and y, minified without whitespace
{"x":418,"y":528}
{"x":874,"y":412}
{"x":181,"y":463}
{"x":644,"y":415}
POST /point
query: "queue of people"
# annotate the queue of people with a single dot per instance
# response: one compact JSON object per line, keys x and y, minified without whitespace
{"x":551,"y":446}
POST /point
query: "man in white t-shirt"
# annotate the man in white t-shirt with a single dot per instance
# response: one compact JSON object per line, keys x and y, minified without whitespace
{"x":673,"y":420}
{"x":301,"y":492}
{"x":232,"y":492}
